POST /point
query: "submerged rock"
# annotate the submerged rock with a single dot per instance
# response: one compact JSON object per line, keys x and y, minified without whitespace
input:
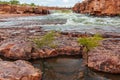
{"x":98,"y":7}
{"x":18,"y":70}
{"x":106,"y":57}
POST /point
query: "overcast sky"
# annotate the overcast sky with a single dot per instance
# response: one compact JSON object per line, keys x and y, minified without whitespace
{"x":63,"y":3}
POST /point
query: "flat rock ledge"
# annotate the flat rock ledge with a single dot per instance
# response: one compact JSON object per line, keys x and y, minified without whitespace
{"x":17,"y":43}
{"x":106,"y":57}
{"x":19,"y":48}
{"x":18,"y":70}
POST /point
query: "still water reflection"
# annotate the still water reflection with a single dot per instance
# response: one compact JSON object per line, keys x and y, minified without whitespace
{"x":69,"y":68}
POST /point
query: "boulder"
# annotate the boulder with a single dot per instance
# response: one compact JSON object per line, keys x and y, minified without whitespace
{"x":18,"y":70}
{"x":98,"y":7}
{"x":16,"y":49}
{"x":106,"y":57}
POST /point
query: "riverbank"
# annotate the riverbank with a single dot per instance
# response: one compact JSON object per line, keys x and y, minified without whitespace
{"x":7,"y":10}
{"x":98,"y":7}
{"x":4,"y":16}
{"x":23,"y":10}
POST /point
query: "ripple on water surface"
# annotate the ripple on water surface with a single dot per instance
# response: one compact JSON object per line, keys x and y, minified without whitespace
{"x":66,"y":22}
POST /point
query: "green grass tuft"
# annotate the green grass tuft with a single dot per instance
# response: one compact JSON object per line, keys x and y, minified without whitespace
{"x":46,"y":40}
{"x":90,"y":42}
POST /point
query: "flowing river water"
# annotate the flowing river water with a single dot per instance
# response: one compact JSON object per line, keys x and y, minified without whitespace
{"x":67,"y":67}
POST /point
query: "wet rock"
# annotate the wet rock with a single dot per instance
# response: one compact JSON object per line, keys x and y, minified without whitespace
{"x":45,"y":11}
{"x":98,"y":7}
{"x":111,"y":35}
{"x":104,"y":34}
{"x":65,"y":50}
{"x":18,"y":70}
{"x":106,"y":57}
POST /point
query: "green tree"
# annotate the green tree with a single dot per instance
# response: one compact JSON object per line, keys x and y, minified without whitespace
{"x":24,"y":4}
{"x":14,"y":2}
{"x":32,"y":4}
{"x":4,"y":2}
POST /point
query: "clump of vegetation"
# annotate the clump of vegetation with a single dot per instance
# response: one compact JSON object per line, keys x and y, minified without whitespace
{"x":63,"y":11}
{"x":90,"y":42}
{"x":66,"y":11}
{"x":16,"y":2}
{"x":46,"y":40}
{"x":13,"y":2}
{"x":32,"y":4}
{"x":4,"y":2}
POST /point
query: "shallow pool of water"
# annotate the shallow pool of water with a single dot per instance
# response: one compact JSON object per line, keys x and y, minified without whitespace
{"x":69,"y":68}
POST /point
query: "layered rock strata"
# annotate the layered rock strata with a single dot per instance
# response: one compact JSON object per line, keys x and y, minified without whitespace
{"x":98,"y":7}
{"x":17,"y":9}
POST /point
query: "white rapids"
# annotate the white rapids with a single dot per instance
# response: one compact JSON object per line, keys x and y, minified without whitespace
{"x":66,"y":22}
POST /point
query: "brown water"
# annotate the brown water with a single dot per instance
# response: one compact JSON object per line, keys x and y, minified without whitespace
{"x":69,"y":68}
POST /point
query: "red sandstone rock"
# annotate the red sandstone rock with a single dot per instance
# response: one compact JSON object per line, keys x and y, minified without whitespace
{"x":98,"y":7}
{"x":15,"y":44}
{"x":16,"y":9}
{"x":18,"y":70}
{"x":16,"y":49}
{"x":106,"y":57}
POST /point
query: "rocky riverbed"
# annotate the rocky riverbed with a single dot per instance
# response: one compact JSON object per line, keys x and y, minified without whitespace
{"x":16,"y":43}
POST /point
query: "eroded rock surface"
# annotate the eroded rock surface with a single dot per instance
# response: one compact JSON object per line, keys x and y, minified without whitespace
{"x":16,"y":49}
{"x":98,"y":7}
{"x":18,"y":70}
{"x":18,"y":44}
{"x":17,"y":9}
{"x":20,"y":49}
{"x":106,"y":57}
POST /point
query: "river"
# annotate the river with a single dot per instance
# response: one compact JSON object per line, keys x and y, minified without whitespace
{"x":66,"y":22}
{"x":67,"y":67}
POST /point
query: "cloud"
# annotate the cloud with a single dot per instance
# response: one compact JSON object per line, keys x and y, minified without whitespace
{"x":65,"y":1}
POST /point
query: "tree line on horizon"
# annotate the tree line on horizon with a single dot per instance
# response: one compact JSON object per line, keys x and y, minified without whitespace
{"x":16,"y":2}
